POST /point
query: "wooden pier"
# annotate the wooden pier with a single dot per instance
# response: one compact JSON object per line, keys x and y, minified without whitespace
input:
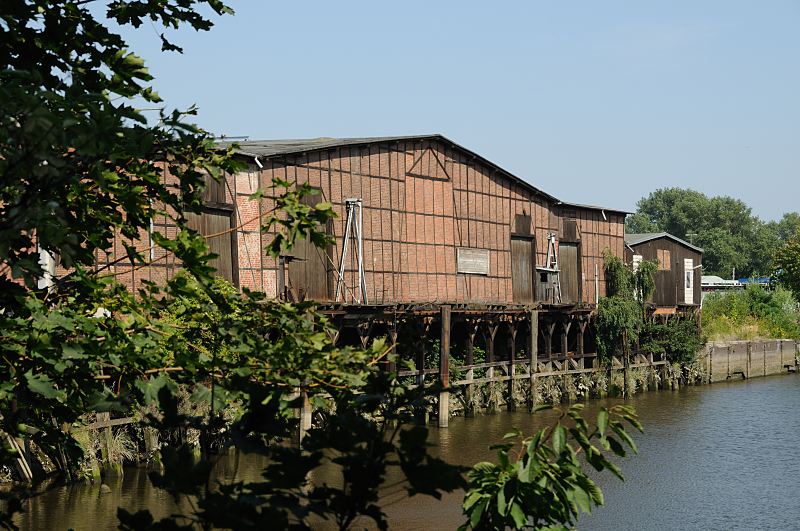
{"x":520,"y":343}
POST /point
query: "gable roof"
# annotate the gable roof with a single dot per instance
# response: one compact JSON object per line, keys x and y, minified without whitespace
{"x":276,"y":148}
{"x":636,"y":239}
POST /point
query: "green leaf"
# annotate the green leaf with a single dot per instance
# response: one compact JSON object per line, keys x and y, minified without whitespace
{"x":602,"y":421}
{"x":582,"y":499}
{"x":501,"y":501}
{"x":42,"y":385}
{"x":559,"y":439}
{"x":518,"y":515}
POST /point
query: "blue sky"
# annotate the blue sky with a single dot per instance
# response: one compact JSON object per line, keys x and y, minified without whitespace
{"x":594,"y":102}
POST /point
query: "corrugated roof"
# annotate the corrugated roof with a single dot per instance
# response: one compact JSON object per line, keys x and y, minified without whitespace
{"x":271,"y":148}
{"x":276,"y":148}
{"x":636,"y":239}
{"x":593,"y":207}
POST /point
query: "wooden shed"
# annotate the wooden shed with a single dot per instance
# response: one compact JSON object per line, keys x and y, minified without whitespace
{"x":439,"y":223}
{"x":679,"y":267}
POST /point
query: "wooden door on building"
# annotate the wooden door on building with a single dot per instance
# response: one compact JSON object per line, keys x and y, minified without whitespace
{"x":310,"y":272}
{"x":569,"y":263}
{"x":216,"y":224}
{"x":523,"y":267}
{"x":688,"y":281}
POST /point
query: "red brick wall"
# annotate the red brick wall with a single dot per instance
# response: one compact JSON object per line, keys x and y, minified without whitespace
{"x":422,"y":200}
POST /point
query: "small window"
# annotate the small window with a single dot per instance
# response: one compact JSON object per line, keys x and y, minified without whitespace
{"x":664,"y":260}
{"x":543,"y":278}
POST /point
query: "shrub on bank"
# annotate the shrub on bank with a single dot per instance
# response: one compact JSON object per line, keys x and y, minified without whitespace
{"x":751,"y":313}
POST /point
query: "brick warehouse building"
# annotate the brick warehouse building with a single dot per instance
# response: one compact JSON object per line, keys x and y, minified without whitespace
{"x":441,"y":226}
{"x":451,"y":241}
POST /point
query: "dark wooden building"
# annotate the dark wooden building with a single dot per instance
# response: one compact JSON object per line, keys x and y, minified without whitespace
{"x":679,"y":267}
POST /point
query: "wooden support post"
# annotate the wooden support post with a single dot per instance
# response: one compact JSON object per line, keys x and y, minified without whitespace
{"x":491,"y":332}
{"x":581,"y":331}
{"x":548,"y":335}
{"x":23,"y":466}
{"x":512,"y":350}
{"x":765,"y":358}
{"x":489,"y":336}
{"x":469,"y":407}
{"x":565,"y":326}
{"x":304,"y":414}
{"x":444,"y":368}
{"x":625,"y":363}
{"x":365,"y":332}
{"x":151,"y":445}
{"x":533,"y":352}
{"x":419,"y":362}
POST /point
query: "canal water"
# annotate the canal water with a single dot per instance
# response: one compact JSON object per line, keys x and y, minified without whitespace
{"x":725,"y":456}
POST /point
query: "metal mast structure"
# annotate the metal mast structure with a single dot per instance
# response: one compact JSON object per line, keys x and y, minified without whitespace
{"x":353,"y":236}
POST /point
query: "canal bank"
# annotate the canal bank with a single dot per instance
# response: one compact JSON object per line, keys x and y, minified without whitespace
{"x":711,"y":457}
{"x":511,"y":384}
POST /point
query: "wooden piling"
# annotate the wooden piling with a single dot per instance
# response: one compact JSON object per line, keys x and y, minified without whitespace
{"x":305,"y":416}
{"x":469,"y":409}
{"x":512,"y":350}
{"x":533,"y":350}
{"x":444,"y":368}
{"x":625,"y":363}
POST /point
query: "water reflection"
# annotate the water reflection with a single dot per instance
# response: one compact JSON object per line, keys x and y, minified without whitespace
{"x":715,"y":457}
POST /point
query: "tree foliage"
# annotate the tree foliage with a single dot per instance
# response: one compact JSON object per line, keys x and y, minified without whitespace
{"x":538,"y":481}
{"x":730,"y":235}
{"x":787,"y":265}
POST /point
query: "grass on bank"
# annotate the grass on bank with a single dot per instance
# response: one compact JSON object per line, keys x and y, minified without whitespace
{"x":751,"y":313}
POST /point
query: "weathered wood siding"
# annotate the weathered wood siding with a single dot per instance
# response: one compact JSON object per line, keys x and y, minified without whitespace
{"x":423,"y":200}
{"x":669,"y":291}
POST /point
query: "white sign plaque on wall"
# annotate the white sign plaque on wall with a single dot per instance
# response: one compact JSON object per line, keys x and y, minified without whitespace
{"x":472,"y":261}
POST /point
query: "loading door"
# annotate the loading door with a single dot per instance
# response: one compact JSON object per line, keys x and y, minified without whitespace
{"x":570,"y":272}
{"x":522,"y":269}
{"x":310,"y":274}
{"x":216,"y":224}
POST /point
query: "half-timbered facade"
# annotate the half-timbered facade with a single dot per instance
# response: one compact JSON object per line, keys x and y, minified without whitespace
{"x":439,"y":224}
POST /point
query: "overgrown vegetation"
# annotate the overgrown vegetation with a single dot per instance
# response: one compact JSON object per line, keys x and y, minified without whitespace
{"x":678,"y":340}
{"x":751,"y":313}
{"x":622,"y":314}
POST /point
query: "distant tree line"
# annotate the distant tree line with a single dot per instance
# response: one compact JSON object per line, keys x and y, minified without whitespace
{"x":731,"y":236}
